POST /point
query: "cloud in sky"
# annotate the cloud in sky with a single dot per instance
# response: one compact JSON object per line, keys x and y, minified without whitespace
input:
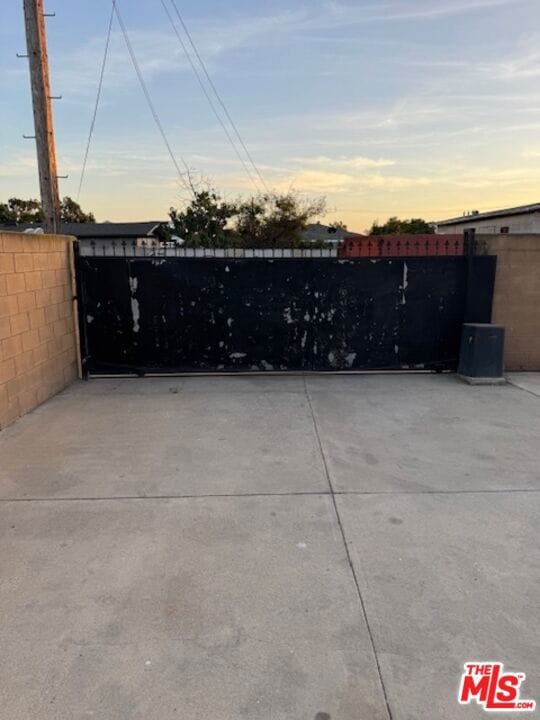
{"x":159,"y":52}
{"x":523,"y":64}
{"x":414,"y":10}
{"x":395,"y":106}
{"x":357,"y":162}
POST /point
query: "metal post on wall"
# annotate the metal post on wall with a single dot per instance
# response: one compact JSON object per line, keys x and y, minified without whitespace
{"x":79,"y":301}
{"x":469,"y":237}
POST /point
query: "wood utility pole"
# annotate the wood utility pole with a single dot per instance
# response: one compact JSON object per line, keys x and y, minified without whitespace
{"x":36,"y":43}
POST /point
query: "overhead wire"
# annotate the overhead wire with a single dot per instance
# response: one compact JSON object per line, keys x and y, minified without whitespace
{"x":150,"y":103}
{"x":246,"y":162}
{"x":96,"y":106}
{"x":218,"y":96}
{"x":208,"y":97}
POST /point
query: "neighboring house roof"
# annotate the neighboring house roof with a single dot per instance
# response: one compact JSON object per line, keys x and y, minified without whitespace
{"x":111,"y":230}
{"x":96,"y":230}
{"x":327,"y":233}
{"x":521,"y":210}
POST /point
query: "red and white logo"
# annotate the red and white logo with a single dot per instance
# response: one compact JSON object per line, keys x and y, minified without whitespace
{"x":487,"y":684}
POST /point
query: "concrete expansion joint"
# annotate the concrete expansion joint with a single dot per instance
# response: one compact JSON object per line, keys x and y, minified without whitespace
{"x":347,"y":551}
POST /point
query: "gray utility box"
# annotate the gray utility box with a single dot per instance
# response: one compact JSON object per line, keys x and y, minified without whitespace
{"x":482,"y":353}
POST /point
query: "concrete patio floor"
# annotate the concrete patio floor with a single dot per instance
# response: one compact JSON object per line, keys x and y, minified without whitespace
{"x":277,"y":548}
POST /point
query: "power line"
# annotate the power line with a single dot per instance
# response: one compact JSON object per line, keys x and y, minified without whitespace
{"x":153,"y":110}
{"x":207,"y":95}
{"x":98,"y":98}
{"x":218,"y":96}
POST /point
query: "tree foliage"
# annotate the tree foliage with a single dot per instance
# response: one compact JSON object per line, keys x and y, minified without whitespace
{"x":204,"y":222}
{"x":338,"y":225}
{"x":275,"y":220}
{"x":395,"y":226}
{"x":270,"y":220}
{"x":18,"y":211}
{"x":71,"y":212}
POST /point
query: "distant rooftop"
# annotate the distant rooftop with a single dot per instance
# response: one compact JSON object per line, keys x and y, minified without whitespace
{"x":95,"y":230}
{"x":520,"y":210}
{"x":327,"y":233}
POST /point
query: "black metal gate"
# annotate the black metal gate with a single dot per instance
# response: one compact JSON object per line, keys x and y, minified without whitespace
{"x":186,"y":311}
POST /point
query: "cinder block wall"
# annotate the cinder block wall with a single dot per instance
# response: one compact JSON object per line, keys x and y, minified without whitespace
{"x":517,"y":296}
{"x":38,"y":346}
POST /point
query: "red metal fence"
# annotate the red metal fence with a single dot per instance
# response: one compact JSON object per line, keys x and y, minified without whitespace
{"x":402,"y":246}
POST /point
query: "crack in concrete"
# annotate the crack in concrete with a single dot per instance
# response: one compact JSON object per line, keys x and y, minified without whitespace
{"x":307,"y":493}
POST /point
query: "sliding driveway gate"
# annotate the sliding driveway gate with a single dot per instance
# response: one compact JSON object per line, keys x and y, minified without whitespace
{"x":152,"y":310}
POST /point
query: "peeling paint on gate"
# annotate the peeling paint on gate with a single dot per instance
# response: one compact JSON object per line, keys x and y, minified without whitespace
{"x":184,"y":314}
{"x":405,"y":283}
{"x":135,"y":310}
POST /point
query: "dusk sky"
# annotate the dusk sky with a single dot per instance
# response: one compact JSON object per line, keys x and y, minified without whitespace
{"x":399,"y":107}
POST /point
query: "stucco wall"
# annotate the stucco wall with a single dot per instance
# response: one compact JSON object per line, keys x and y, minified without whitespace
{"x":38,"y":347}
{"x":517,"y":296}
{"x":528,"y":223}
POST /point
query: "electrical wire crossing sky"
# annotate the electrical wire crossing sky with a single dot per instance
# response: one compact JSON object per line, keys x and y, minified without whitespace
{"x":408,"y":107}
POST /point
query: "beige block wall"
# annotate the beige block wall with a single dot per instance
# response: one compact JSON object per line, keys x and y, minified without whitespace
{"x":38,"y":346}
{"x":517,"y":296}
